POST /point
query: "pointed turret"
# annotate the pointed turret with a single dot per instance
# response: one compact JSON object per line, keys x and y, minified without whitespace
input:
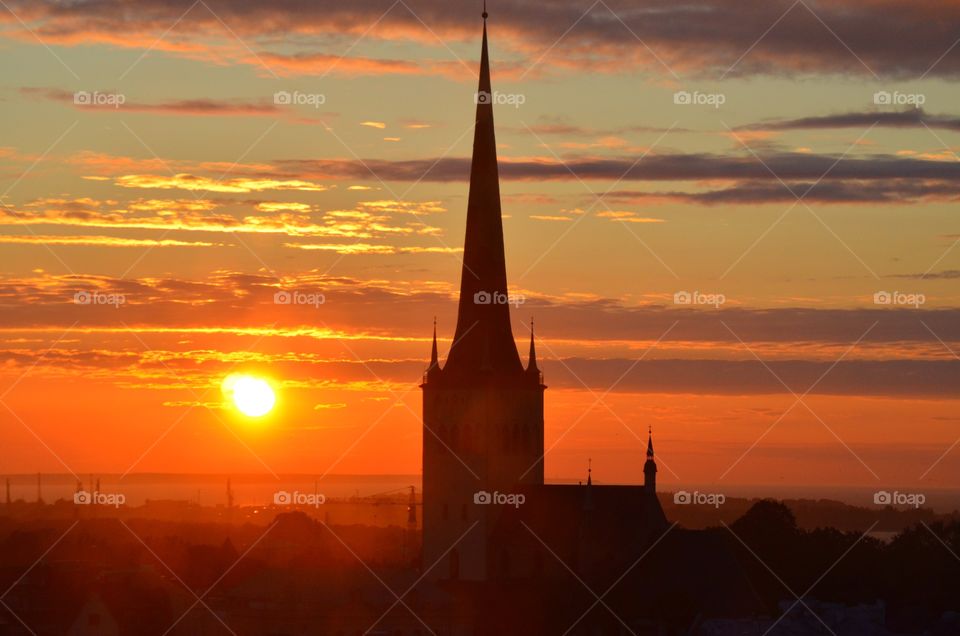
{"x":483,"y":317}
{"x":650,"y":466}
{"x":433,"y":370}
{"x":532,"y":357}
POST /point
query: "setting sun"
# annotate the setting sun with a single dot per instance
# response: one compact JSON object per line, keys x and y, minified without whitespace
{"x":251,"y":395}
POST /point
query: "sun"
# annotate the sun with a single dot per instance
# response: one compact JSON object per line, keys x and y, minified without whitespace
{"x":253,"y":396}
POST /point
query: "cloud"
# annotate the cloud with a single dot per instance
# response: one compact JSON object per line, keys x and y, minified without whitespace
{"x":626,"y":216}
{"x":366,"y":248}
{"x":891,"y":191}
{"x":196,"y":183}
{"x":653,"y":167}
{"x":369,"y":219}
{"x":199,"y":327}
{"x":203,"y":106}
{"x":283,"y":206}
{"x":561,"y":126}
{"x":371,"y":306}
{"x":947,"y":274}
{"x":97,"y":241}
{"x":891,"y":378}
{"x":548,"y":217}
{"x":894,"y":38}
{"x":911,"y":118}
{"x":868,"y":178}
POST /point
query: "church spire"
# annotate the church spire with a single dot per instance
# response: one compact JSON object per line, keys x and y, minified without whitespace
{"x":532,"y":358}
{"x":433,"y":371}
{"x":434,"y":358}
{"x":650,"y":466}
{"x":588,"y":494}
{"x":483,"y":317}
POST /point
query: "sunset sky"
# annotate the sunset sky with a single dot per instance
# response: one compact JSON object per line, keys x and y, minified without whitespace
{"x":167,"y":167}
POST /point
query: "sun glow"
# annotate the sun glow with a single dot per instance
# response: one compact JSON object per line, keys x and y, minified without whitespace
{"x":253,"y":396}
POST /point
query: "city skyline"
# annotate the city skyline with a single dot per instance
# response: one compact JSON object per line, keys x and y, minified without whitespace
{"x":760,"y":268}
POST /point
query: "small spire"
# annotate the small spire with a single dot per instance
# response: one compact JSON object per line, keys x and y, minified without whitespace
{"x":434,"y":357}
{"x":532,"y":360}
{"x":589,"y":472}
{"x":650,"y":466}
{"x":433,"y":370}
{"x":484,"y":9}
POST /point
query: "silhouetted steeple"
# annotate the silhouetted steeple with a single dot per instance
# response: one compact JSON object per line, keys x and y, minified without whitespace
{"x":434,"y":367}
{"x":650,"y":466}
{"x":483,"y":319}
{"x":532,"y":358}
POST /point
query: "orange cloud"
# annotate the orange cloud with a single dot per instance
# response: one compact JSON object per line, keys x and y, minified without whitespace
{"x":195,"y":183}
{"x":546,"y":217}
{"x":626,"y":216}
{"x":98,"y":241}
{"x":373,"y":218}
{"x":198,"y":106}
{"x":366,"y":248}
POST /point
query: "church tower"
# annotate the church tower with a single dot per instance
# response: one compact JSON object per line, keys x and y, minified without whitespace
{"x":482,"y":411}
{"x":650,"y":466}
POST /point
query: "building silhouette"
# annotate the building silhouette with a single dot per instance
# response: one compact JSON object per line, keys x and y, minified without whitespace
{"x":485,"y":505}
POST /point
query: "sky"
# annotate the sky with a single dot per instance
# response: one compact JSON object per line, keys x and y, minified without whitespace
{"x":733,"y":222}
